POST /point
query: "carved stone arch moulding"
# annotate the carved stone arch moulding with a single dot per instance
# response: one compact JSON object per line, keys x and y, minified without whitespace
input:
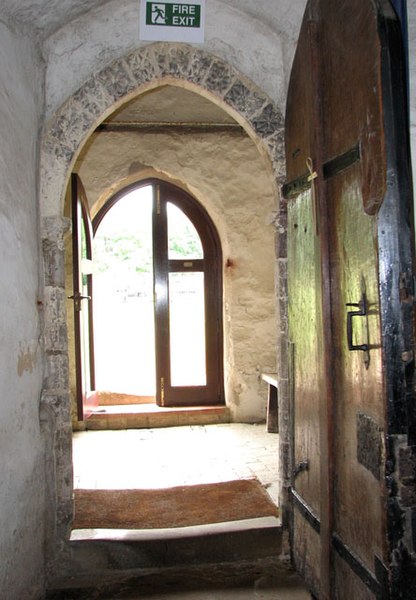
{"x":64,"y":135}
{"x":147,"y":68}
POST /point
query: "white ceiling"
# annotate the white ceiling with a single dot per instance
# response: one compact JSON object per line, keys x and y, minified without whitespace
{"x":47,"y":16}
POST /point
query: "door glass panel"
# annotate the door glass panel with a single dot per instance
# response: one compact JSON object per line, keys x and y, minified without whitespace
{"x":85,"y":272}
{"x":187,"y":329}
{"x":123,"y":297}
{"x":183,"y":239}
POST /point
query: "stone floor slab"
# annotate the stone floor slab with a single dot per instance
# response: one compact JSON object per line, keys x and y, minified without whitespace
{"x":186,"y":455}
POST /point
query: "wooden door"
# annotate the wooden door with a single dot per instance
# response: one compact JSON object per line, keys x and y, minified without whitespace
{"x":348,"y":241}
{"x":86,"y":396}
{"x":188,"y":314}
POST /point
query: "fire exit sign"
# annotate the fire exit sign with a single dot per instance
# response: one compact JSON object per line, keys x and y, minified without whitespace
{"x":173,"y":15}
{"x":172,"y":21}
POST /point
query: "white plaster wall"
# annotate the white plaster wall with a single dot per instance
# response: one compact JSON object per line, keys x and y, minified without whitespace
{"x":87,"y":44}
{"x":22,"y":509}
{"x":226,"y":173}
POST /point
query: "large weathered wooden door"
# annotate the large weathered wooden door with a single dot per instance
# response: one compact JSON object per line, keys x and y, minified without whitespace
{"x":344,"y":260}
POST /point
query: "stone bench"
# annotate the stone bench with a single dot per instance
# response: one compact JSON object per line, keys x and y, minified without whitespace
{"x":272,"y":402}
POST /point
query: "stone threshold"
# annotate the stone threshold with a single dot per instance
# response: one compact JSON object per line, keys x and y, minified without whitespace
{"x":138,"y":416}
{"x":139,"y":535}
{"x":264,"y":577}
{"x":99,"y":557}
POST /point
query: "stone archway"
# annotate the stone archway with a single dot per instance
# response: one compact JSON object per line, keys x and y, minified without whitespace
{"x":63,"y":138}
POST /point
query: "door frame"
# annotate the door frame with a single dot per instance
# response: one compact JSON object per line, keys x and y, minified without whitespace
{"x":260,"y":116}
{"x":167,"y":395}
{"x":86,"y":394}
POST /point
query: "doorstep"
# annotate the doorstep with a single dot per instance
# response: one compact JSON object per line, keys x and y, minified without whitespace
{"x":142,"y":416}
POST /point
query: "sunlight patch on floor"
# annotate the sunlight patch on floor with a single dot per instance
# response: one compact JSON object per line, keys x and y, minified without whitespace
{"x":158,"y":458}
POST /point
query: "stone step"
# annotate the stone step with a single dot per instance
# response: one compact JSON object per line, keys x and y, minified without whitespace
{"x":269,"y":578}
{"x":110,"y":398}
{"x":140,"y":416}
{"x":101,"y":556}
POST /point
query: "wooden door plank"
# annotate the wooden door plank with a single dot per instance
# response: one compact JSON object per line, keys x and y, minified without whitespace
{"x":304,"y":156}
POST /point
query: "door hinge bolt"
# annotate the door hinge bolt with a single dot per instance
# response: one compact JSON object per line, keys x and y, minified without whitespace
{"x":407,"y":356}
{"x":162,"y":391}
{"x":303,"y":465}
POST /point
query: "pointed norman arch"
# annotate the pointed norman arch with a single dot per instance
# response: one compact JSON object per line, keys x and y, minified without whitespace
{"x":63,"y":138}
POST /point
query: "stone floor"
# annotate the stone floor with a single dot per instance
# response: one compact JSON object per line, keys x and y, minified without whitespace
{"x":157,"y":458}
{"x":167,"y":457}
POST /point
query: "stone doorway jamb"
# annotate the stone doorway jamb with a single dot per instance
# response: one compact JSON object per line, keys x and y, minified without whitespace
{"x":63,"y":137}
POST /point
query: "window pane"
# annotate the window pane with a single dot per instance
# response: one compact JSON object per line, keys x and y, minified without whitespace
{"x":187,"y":329}
{"x":123,"y":297}
{"x":183,"y":238}
{"x":84,"y":256}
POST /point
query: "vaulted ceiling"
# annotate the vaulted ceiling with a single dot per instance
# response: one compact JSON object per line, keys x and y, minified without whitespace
{"x":171,"y":105}
{"x":46,"y":16}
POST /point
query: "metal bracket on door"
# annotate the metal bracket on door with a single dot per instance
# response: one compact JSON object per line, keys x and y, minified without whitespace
{"x":362,"y":311}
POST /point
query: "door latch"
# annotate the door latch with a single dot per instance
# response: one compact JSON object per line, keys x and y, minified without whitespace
{"x":362,"y":311}
{"x":77,"y":297}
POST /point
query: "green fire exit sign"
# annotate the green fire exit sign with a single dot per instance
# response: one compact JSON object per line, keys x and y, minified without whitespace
{"x":170,"y":21}
{"x":173,"y":15}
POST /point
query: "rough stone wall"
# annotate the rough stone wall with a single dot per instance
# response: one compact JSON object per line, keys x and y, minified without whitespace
{"x":55,"y":401}
{"x":226,"y":173}
{"x":22,"y":474}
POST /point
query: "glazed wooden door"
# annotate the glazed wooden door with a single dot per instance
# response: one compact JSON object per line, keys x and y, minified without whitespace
{"x":187,"y":276}
{"x":87,"y":397}
{"x":344,"y":237}
{"x":177,"y":272}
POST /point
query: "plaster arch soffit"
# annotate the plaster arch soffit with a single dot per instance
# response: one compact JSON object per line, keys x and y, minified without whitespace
{"x":139,"y":71}
{"x":136,"y":178}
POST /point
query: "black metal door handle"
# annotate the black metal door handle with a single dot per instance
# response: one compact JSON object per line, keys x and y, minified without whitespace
{"x":362,"y":306}
{"x":77,"y":297}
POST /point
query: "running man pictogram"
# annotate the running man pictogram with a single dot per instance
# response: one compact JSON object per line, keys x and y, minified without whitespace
{"x":158,"y":13}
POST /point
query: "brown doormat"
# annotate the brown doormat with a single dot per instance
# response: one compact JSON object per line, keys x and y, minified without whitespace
{"x":172,"y":507}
